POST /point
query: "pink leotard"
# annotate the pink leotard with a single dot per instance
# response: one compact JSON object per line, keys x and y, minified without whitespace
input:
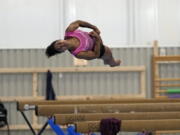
{"x":86,"y":42}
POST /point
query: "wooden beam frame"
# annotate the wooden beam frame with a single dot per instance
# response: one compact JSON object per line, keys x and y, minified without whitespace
{"x":74,"y":69}
{"x":155,"y":69}
{"x":156,"y":80}
{"x":166,"y":58}
{"x":168,"y":85}
{"x":167,"y":79}
{"x":36,"y":71}
{"x":156,"y":77}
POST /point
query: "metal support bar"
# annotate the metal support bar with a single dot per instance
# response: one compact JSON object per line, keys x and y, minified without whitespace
{"x":29,"y":124}
{"x":43,"y":128}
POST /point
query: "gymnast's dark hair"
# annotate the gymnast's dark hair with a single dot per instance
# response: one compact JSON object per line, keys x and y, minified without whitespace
{"x":50,"y":50}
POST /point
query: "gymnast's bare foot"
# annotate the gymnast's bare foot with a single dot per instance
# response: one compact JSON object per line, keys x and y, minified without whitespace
{"x":116,"y":63}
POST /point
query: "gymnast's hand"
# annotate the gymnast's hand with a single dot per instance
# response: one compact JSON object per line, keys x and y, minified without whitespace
{"x":95,"y":35}
{"x":97,"y":30}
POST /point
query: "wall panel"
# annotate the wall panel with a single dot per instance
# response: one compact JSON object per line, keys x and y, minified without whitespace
{"x":76,"y":83}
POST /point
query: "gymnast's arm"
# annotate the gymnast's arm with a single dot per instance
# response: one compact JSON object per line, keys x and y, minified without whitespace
{"x":75,"y":25}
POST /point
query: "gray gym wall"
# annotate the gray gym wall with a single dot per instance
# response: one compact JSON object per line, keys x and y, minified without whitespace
{"x":76,"y":83}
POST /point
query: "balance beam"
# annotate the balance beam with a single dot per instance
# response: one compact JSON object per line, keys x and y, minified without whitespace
{"x":104,"y":100}
{"x":132,"y":125}
{"x":49,"y":110}
{"x":64,"y":119}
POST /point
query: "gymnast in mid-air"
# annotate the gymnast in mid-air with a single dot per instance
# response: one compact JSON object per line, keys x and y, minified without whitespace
{"x":83,"y":45}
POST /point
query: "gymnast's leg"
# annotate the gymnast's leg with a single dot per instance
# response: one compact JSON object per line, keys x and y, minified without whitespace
{"x":108,"y":58}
